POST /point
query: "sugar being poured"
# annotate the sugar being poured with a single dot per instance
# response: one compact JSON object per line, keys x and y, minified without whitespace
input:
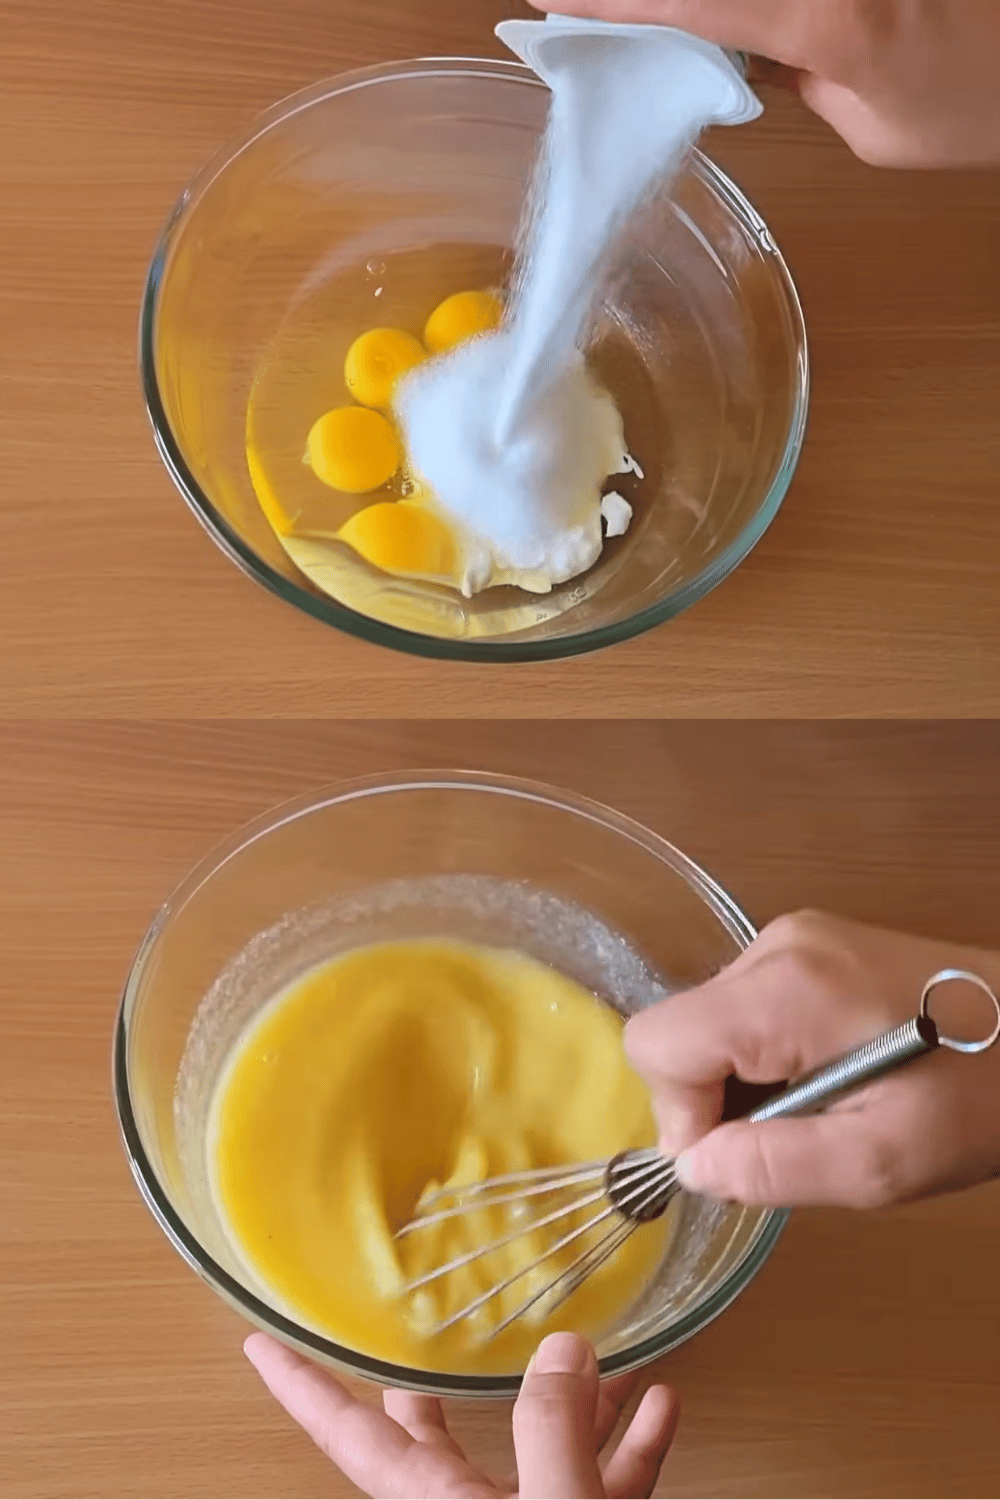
{"x":511,"y":433}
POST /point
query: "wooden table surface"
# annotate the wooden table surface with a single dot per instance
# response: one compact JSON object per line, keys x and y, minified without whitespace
{"x":862,"y":1360}
{"x":873,"y":593}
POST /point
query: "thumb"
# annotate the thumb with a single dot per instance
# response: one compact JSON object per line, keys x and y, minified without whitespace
{"x":840,"y":1158}
{"x":873,"y":132}
{"x":554,"y":1422}
{"x":762,"y":72}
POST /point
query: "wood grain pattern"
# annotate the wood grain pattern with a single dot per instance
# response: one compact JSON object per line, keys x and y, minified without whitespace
{"x":861,"y":1362}
{"x":873,"y":594}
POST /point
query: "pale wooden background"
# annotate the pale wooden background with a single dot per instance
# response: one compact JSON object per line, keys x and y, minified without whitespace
{"x":861,"y":1362}
{"x":873,"y":594}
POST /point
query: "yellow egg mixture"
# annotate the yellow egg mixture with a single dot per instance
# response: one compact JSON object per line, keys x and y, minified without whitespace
{"x":391,"y":1070}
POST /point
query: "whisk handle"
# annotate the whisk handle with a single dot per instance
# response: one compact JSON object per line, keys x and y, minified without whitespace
{"x":892,"y":1050}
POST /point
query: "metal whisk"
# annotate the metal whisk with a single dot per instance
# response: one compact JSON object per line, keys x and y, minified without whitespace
{"x":635,"y":1187}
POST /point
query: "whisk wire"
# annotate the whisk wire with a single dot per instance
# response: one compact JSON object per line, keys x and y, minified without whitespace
{"x":641,"y":1178}
{"x":587,"y":1262}
{"x":486,"y":1196}
{"x":508,"y":1239}
{"x":501,"y":1286}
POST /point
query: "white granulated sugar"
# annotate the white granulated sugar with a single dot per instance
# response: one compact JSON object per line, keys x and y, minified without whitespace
{"x":511,"y":433}
{"x":534,"y":498}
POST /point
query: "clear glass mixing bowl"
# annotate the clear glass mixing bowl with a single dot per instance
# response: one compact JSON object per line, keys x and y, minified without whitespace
{"x":479,"y":857}
{"x":427,"y":152}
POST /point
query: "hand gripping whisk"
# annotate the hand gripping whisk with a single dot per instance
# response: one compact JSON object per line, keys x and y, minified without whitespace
{"x":635,"y":1187}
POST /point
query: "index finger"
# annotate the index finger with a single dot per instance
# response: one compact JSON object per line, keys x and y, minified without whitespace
{"x":773,"y":27}
{"x":370,"y":1448}
{"x":771,"y":1015}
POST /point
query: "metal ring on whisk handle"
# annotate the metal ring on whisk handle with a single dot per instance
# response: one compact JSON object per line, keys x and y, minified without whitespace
{"x":948,"y":976}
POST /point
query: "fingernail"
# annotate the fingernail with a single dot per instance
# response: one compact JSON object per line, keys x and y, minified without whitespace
{"x":562,"y":1354}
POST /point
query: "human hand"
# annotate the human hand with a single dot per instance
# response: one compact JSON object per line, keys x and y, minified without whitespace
{"x":905,"y":85}
{"x":563,"y":1419}
{"x":810,"y":988}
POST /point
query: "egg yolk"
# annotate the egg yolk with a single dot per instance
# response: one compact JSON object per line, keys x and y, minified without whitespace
{"x":376,"y":361}
{"x":461,"y":317}
{"x":402,"y":537}
{"x":354,"y":449}
{"x":388,"y":1071}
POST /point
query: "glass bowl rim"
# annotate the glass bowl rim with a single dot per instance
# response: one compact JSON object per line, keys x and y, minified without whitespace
{"x":254,"y":1308}
{"x":341,"y":616}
